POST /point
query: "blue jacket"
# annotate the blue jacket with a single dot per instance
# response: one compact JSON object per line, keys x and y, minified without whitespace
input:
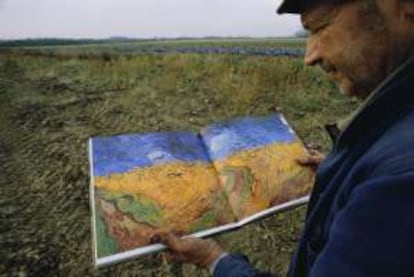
{"x":360,"y":219}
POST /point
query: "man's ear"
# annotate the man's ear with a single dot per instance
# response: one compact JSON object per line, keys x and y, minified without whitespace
{"x":396,"y":9}
{"x":406,"y":8}
{"x":397,"y":12}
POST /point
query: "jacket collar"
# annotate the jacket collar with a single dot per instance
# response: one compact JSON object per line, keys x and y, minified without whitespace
{"x":393,"y":95}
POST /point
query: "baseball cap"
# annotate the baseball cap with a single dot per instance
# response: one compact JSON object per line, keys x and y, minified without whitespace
{"x":289,"y":6}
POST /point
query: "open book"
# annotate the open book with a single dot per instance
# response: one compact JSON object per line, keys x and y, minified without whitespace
{"x":229,"y":174}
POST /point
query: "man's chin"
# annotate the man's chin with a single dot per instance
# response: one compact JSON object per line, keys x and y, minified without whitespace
{"x":350,"y":90}
{"x":343,"y":90}
{"x":344,"y":85}
{"x":346,"y":90}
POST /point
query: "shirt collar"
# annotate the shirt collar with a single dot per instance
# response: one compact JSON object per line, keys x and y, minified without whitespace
{"x":345,"y":122}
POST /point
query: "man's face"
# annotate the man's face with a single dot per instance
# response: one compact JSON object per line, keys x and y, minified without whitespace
{"x":348,"y":42}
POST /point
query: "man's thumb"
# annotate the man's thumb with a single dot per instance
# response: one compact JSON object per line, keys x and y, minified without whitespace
{"x":170,"y":240}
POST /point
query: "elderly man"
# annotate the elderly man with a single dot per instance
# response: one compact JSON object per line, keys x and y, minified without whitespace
{"x":360,"y":219}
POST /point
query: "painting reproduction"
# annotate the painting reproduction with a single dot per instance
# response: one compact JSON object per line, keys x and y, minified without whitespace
{"x":189,"y":183}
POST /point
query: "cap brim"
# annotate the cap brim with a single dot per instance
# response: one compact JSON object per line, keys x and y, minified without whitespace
{"x":289,"y":6}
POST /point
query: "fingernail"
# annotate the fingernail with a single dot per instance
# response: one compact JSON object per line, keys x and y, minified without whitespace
{"x":179,"y":233}
{"x":155,"y":239}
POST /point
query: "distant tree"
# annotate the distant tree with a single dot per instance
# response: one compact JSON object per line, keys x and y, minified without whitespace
{"x":302,"y":33}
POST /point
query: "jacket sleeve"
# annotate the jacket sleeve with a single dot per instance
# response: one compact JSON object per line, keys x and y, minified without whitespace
{"x":236,"y":265}
{"x":373,"y":235}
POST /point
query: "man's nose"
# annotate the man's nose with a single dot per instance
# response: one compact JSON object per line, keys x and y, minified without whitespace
{"x":313,"y":52}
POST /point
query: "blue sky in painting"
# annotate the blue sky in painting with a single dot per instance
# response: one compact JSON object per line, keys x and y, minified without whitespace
{"x":121,"y":153}
{"x":225,"y":138}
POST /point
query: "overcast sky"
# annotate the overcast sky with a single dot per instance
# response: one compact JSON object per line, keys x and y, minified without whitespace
{"x":143,"y":18}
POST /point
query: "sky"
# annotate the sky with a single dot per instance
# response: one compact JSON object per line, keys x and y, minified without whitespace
{"x":143,"y":18}
{"x":122,"y":153}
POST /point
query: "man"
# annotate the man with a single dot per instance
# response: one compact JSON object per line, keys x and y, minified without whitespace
{"x":360,"y":219}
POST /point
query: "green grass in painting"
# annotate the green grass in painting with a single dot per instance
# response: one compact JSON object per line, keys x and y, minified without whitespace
{"x":107,"y":245}
{"x":141,"y":209}
{"x":205,"y":221}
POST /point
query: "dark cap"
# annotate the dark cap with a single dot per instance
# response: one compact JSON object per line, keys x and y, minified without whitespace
{"x":289,"y":6}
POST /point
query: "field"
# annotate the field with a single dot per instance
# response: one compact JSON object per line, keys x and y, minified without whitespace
{"x":55,"y":98}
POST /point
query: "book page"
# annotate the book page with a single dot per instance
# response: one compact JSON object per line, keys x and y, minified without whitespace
{"x":143,"y":183}
{"x":255,"y":158}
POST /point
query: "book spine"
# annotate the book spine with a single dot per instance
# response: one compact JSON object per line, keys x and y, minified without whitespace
{"x":92,"y":202}
{"x":128,"y":255}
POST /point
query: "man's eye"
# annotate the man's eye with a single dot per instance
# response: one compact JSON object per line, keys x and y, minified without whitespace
{"x":318,"y":29}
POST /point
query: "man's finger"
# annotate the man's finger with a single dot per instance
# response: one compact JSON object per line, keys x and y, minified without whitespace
{"x":169,"y":257}
{"x":171,"y":241}
{"x":308,"y":160}
{"x":177,"y":257}
{"x":179,"y":233}
{"x":155,"y":239}
{"x":302,"y":160}
{"x":313,"y":152}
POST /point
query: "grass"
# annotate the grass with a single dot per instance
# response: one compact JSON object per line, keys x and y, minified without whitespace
{"x":51,"y":106}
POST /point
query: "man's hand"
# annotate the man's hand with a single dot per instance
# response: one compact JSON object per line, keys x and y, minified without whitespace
{"x":313,"y":160}
{"x":189,"y":250}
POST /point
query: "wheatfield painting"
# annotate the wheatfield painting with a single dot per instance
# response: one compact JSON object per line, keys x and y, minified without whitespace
{"x":185,"y":182}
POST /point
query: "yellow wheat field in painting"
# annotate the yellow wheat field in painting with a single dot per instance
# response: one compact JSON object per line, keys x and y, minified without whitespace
{"x":182,"y":191}
{"x":257,"y":179}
